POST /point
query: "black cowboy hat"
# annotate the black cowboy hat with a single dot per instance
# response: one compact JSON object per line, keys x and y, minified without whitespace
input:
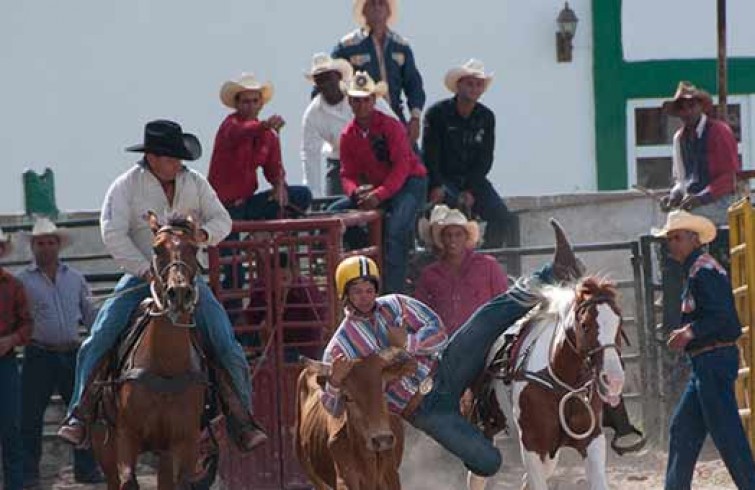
{"x":165,"y":138}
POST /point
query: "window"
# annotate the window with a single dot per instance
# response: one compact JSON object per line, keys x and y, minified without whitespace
{"x":651,"y":134}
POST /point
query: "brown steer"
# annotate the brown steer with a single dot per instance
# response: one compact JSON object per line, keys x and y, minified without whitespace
{"x":362,"y":448}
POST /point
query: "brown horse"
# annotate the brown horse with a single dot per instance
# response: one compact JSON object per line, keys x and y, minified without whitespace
{"x":159,"y":389}
{"x":568,"y":367}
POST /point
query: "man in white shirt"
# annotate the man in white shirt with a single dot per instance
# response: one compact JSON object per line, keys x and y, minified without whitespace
{"x":323,"y":121}
{"x":162,"y":184}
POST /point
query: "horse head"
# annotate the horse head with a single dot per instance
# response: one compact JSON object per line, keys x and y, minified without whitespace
{"x":174,"y":265}
{"x":597,"y":332}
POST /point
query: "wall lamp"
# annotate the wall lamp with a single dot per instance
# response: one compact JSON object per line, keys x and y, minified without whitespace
{"x":567,"y":26}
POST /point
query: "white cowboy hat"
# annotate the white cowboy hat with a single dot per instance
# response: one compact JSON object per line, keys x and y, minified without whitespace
{"x":472,"y":68}
{"x":442,"y":216}
{"x":683,"y":220}
{"x":44,"y":226}
{"x":247,"y":81}
{"x":322,"y":62}
{"x":359,"y":15}
{"x":5,"y":241}
{"x":362,"y":85}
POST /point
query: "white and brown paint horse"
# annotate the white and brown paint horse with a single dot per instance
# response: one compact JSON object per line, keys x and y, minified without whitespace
{"x":568,"y":366}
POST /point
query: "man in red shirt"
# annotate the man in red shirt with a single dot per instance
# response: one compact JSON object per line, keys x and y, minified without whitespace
{"x":15,"y":330}
{"x":375,"y":149}
{"x":242,"y":145}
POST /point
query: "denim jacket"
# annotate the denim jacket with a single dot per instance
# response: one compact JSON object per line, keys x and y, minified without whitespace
{"x":358,"y":49}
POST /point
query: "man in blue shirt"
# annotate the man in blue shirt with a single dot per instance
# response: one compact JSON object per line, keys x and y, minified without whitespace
{"x":58,"y":298}
{"x":386,"y":56}
{"x":708,"y":336}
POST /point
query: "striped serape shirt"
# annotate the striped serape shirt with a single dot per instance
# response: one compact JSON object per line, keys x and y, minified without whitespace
{"x":359,"y":335}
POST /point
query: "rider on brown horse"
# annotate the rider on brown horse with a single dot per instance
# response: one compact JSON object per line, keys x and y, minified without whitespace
{"x":161,"y":183}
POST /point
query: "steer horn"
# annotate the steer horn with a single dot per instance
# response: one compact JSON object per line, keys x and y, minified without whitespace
{"x":566,"y":265}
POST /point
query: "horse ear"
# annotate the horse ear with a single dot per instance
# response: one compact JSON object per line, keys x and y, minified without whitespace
{"x":152,"y":219}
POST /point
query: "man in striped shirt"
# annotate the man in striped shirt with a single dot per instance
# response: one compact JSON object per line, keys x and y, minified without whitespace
{"x":428,"y":398}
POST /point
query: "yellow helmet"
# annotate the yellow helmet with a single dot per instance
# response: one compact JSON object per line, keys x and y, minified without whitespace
{"x":355,"y":267}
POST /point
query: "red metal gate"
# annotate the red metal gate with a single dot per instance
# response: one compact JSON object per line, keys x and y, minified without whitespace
{"x":276,"y":283}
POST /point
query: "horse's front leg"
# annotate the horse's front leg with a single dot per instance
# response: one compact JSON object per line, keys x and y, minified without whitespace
{"x":595,"y":464}
{"x":128,"y":453}
{"x":536,"y":477}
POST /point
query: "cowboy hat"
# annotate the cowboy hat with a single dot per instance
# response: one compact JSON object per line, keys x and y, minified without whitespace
{"x":362,"y":85}
{"x":683,"y":220}
{"x":44,"y":226}
{"x":247,"y":81}
{"x":166,"y":138}
{"x":322,"y":62}
{"x":6,"y":243}
{"x":441,"y":216}
{"x":687,"y":91}
{"x":362,"y":21}
{"x":472,"y":68}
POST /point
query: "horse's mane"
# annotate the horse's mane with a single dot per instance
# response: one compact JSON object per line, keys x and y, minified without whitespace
{"x":558,"y":300}
{"x":181,"y":221}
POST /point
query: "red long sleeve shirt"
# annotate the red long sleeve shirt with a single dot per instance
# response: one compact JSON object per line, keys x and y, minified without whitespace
{"x":358,"y":159}
{"x":241,"y":147}
{"x":15,"y":317}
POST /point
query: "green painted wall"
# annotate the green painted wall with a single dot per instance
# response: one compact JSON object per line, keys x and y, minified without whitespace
{"x":616,"y":81}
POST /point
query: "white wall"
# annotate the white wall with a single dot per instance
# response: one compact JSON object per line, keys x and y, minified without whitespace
{"x":80,"y":78}
{"x":671,"y":29}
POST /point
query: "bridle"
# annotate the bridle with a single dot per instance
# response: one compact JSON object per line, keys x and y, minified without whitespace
{"x":159,"y":288}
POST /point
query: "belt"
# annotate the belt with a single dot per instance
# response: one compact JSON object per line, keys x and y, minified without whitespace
{"x":58,"y":348}
{"x":710,"y":347}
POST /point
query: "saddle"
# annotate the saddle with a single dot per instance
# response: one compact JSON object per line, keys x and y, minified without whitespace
{"x":486,"y":412}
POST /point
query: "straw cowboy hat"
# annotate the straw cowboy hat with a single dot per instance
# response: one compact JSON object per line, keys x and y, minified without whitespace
{"x":322,"y":62}
{"x":442,"y":216}
{"x":472,"y":68}
{"x":359,"y":12}
{"x":362,"y":85}
{"x":247,"y":81}
{"x":687,"y":91}
{"x":166,"y":138}
{"x":43,"y":226}
{"x":683,"y":220}
{"x":7,"y":247}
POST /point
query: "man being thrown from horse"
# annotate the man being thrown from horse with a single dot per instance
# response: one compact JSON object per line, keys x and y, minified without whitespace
{"x":429,"y":398}
{"x":161,"y":183}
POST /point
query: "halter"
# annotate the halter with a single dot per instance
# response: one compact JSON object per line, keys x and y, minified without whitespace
{"x":583,"y":392}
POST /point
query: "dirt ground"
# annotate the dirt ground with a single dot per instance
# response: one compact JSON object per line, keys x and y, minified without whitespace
{"x":427,"y":466}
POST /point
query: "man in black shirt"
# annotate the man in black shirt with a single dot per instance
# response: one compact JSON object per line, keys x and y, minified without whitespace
{"x":457,"y":147}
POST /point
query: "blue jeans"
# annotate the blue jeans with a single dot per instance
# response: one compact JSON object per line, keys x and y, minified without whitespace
{"x":402,"y":210}
{"x":260,"y":206}
{"x":43,"y":373}
{"x":10,"y":424}
{"x":489,"y":206}
{"x":708,"y":405}
{"x":460,"y":364}
{"x":211,"y":320}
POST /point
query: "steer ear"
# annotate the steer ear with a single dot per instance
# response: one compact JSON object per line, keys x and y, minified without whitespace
{"x":318,"y":368}
{"x":398,"y":363}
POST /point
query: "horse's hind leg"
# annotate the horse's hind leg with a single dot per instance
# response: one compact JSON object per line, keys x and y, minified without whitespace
{"x":595,"y":464}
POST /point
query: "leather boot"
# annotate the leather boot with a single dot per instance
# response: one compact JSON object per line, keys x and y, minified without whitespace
{"x":626,"y":438}
{"x":242,"y":428}
{"x":566,"y":265}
